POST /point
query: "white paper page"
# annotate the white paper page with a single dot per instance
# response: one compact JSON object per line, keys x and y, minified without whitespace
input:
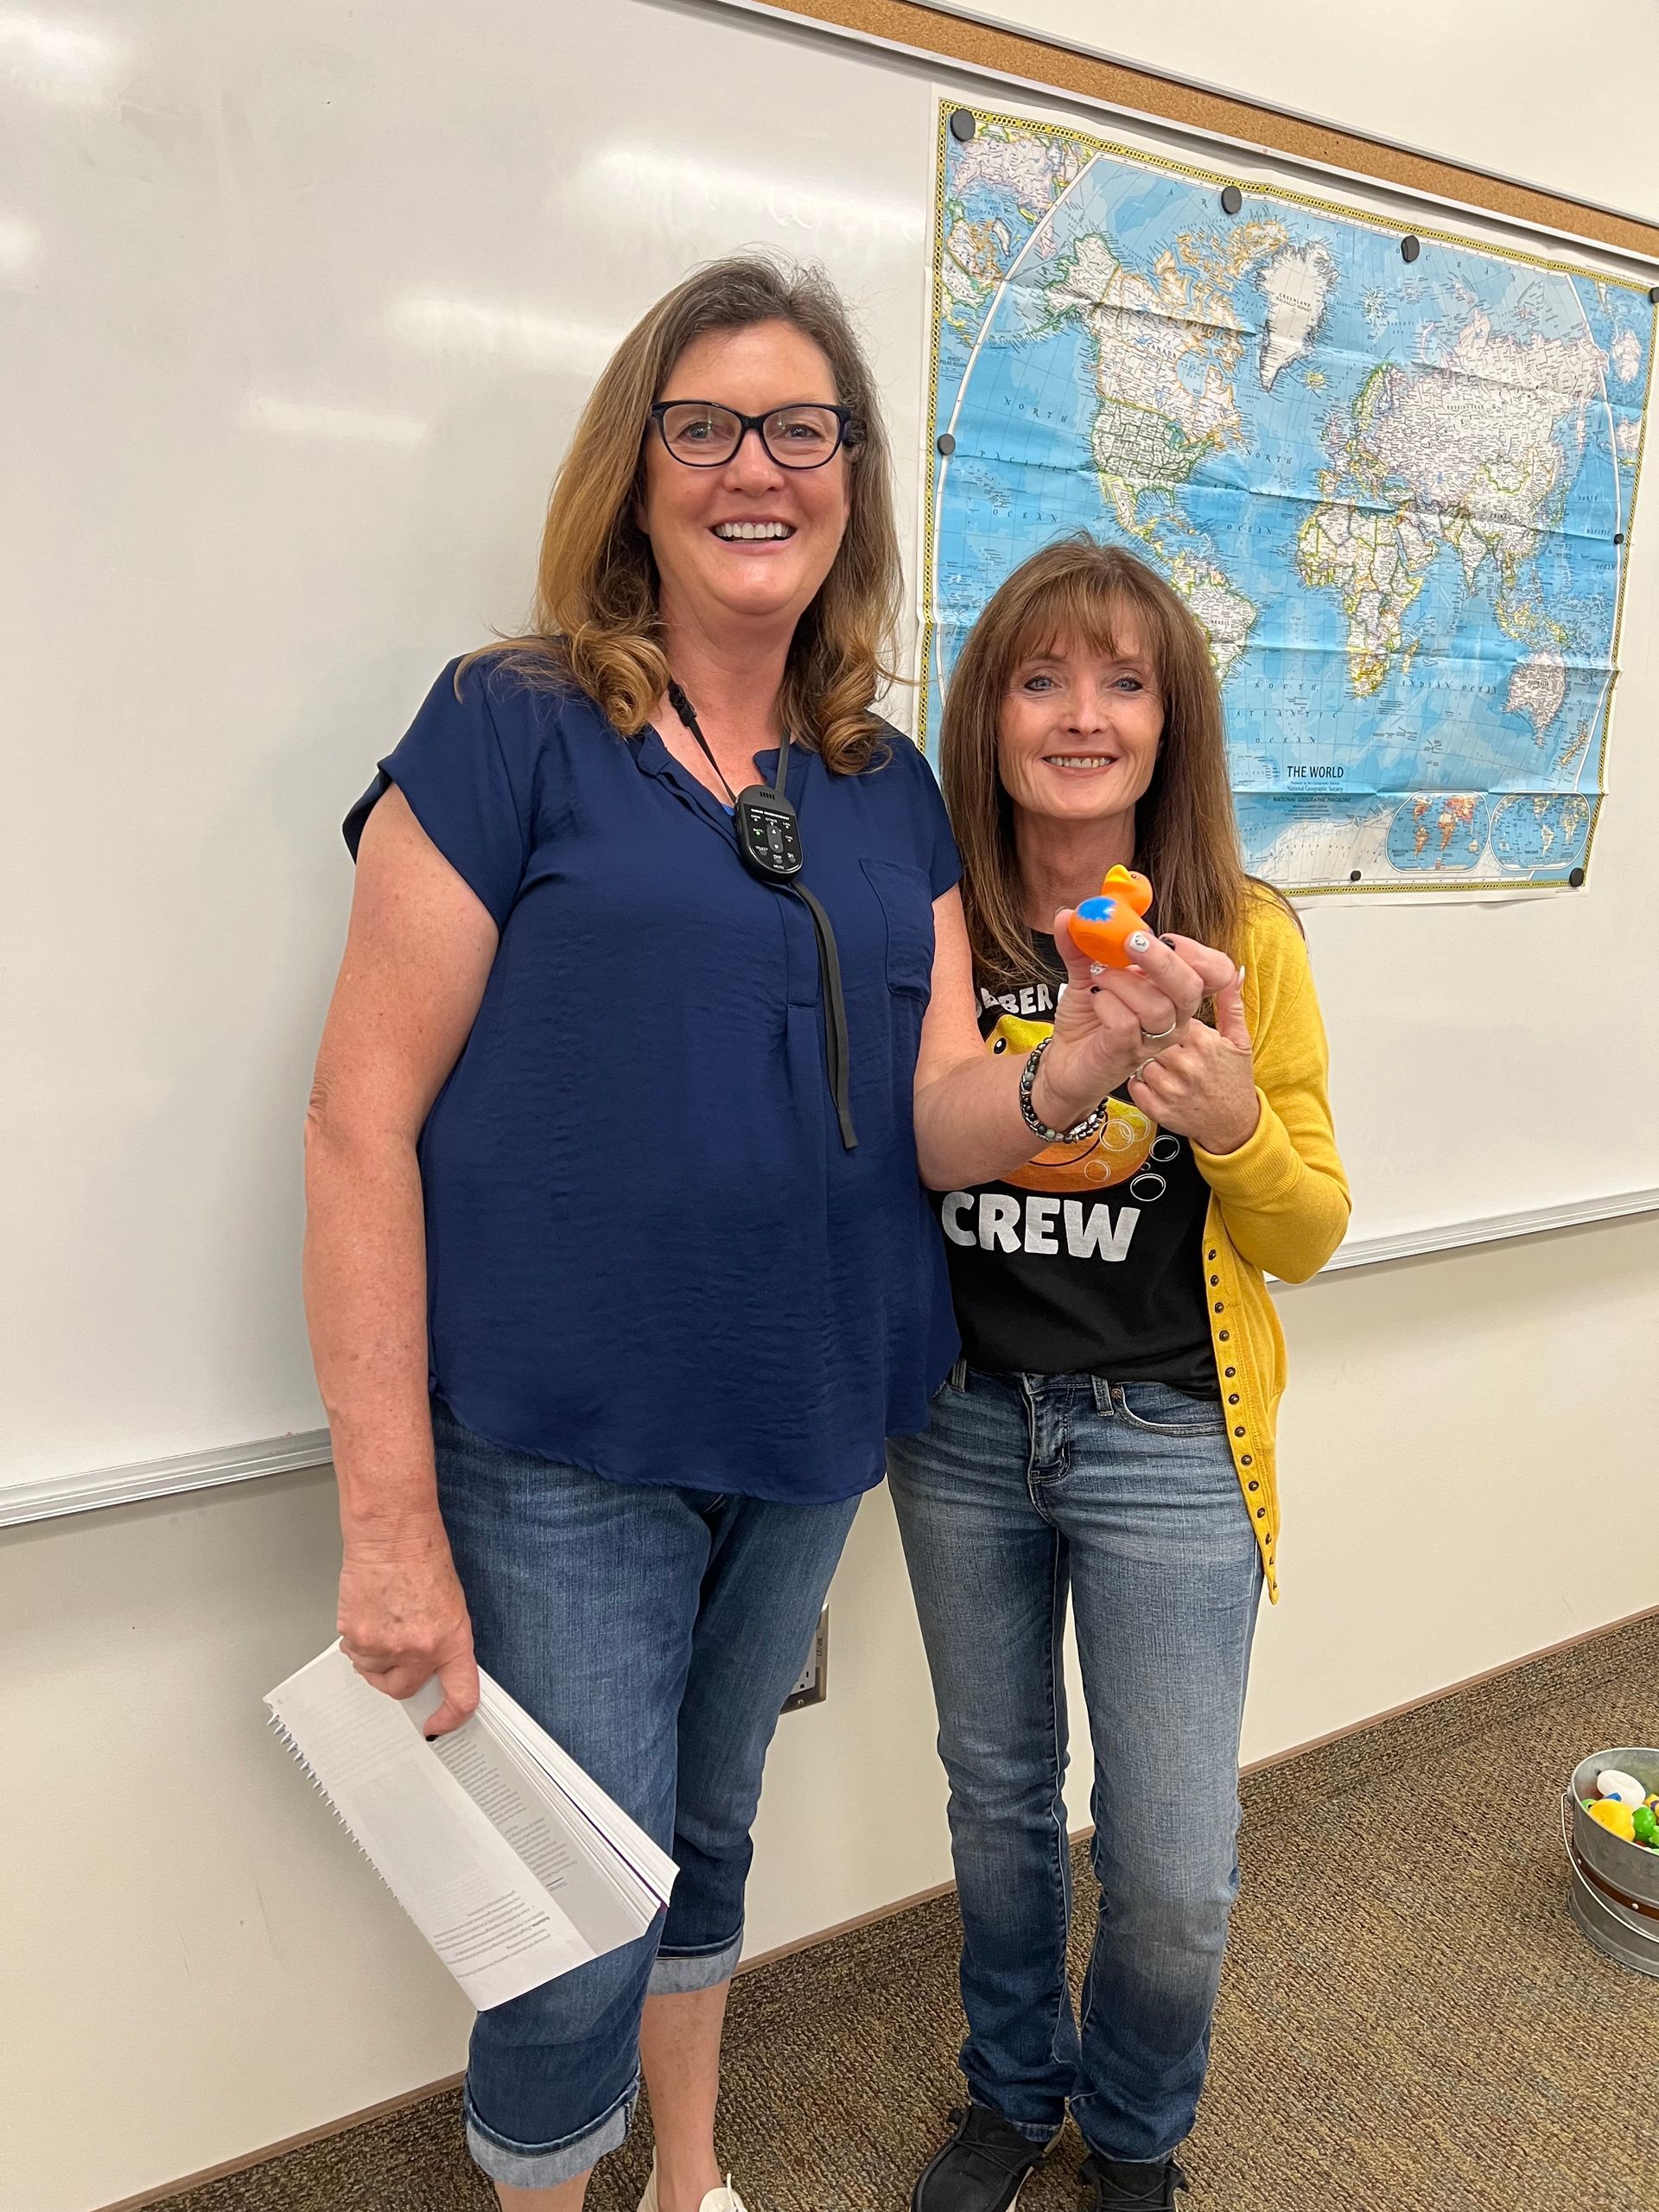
{"x":649,"y":1860}
{"x":595,"y":1850}
{"x":506,"y":1719}
{"x":547,"y":1788}
{"x":540,"y":1829}
{"x":494,"y":1924}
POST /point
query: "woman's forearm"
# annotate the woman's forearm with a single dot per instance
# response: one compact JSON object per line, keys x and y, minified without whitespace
{"x":968,"y":1126}
{"x":366,"y":1307}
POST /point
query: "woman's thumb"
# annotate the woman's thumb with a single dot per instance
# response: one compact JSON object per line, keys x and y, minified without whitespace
{"x":458,"y":1679}
{"x":1229,"y":1013}
{"x":1080,"y":968}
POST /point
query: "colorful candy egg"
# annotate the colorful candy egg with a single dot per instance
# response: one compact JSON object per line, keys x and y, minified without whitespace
{"x":1613,"y":1782}
{"x":1615,"y":1817}
{"x":1645,"y":1825}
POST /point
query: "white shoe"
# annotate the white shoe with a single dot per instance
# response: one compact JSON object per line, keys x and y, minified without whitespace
{"x":717,"y":2200}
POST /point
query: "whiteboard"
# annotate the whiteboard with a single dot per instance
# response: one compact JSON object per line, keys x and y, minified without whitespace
{"x":298,"y":309}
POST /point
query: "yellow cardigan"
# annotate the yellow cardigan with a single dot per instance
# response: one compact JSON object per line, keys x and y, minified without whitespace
{"x":1279,"y":1203}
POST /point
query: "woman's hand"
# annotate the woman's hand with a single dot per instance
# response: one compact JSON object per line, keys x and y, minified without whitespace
{"x":403,"y":1618}
{"x":1109,"y":1020}
{"x":1202,"y":1084}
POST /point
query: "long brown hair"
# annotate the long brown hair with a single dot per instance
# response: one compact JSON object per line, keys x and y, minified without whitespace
{"x":596,"y":621}
{"x":1074,"y":592}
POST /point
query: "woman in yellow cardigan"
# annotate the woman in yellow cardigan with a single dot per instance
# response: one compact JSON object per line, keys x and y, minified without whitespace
{"x":1108,"y":1433}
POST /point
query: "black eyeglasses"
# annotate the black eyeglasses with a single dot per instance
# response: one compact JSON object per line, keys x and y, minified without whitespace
{"x":704,"y":434}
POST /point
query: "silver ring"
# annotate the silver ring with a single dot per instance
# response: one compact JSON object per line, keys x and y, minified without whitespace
{"x":1160,"y":1036}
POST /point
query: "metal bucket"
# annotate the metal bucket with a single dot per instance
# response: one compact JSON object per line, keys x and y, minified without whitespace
{"x":1614,"y":1892}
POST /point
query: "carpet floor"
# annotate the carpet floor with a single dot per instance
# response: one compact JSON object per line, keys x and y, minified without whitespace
{"x":1409,"y":2020}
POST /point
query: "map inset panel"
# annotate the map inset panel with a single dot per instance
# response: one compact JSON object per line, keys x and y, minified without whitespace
{"x":1397,"y":495}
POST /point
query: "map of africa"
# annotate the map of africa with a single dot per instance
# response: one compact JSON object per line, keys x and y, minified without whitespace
{"x":1397,"y":493}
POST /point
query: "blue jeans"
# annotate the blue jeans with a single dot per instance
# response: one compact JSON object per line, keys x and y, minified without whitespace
{"x":1022,"y":1488}
{"x":655,"y":1634}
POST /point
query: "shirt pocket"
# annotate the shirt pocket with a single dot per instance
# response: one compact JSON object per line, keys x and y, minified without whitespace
{"x":905,"y":897}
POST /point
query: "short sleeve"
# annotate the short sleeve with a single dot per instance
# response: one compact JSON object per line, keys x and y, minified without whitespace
{"x":468,"y":784}
{"x":935,"y":846}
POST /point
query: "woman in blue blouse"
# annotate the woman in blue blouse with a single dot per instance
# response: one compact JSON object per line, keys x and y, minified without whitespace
{"x":618,"y":1267}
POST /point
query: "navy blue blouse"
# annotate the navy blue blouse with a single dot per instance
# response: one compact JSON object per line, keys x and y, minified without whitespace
{"x":648,"y":1254}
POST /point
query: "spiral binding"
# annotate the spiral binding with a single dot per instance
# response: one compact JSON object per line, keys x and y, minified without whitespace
{"x":279,"y":1728}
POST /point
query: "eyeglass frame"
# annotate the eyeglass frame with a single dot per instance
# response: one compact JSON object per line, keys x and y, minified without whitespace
{"x":845,"y":419}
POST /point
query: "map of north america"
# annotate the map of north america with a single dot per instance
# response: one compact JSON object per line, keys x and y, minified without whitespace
{"x":1395,"y":487}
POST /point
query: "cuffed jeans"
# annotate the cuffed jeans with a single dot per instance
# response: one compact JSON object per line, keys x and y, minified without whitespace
{"x":1023,"y":1488}
{"x":655,"y":1634}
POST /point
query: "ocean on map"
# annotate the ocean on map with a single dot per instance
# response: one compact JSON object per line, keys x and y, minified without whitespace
{"x":1400,"y":504}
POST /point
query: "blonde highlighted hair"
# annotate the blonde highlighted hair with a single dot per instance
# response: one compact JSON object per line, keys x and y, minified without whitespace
{"x":595,"y":620}
{"x":1077,"y":593}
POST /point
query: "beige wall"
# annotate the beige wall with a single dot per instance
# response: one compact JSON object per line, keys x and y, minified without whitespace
{"x":197,"y":1963}
{"x":1493,"y":84}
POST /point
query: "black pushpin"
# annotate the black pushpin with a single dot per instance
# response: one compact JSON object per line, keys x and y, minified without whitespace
{"x":1619,"y":537}
{"x":1410,"y":248}
{"x":1353,"y":875}
{"x":1653,"y":295}
{"x":946,"y":443}
{"x":1576,"y":879}
{"x":962,"y":125}
{"x":1231,"y":200}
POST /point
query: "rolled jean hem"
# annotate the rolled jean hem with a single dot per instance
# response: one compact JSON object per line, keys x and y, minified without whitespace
{"x":552,"y":2162}
{"x":676,"y":1972}
{"x":1036,"y":2133}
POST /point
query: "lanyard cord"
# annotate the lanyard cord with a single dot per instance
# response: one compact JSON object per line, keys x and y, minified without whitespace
{"x":687,"y":715}
{"x":837,"y":1053}
{"x":837,"y":1050}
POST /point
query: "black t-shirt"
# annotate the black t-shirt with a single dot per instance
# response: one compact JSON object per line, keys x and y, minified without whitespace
{"x":1088,"y":1259}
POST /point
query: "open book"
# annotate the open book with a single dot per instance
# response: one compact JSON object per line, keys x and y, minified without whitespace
{"x":511,"y":1861}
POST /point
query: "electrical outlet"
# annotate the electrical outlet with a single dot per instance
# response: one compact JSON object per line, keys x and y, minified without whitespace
{"x":814,"y":1684}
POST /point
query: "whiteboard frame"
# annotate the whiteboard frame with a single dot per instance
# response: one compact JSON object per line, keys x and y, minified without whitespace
{"x":148,"y":1478}
{"x":309,"y":1449}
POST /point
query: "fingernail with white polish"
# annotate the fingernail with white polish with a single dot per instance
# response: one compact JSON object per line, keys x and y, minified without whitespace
{"x":1096,"y":968}
{"x":1139,"y":942}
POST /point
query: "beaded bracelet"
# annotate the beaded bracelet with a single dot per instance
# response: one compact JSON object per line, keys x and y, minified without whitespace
{"x":1076,"y":1133}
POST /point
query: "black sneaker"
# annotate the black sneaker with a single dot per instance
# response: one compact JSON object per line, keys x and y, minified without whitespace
{"x":1119,"y":2187}
{"x":982,"y":2168}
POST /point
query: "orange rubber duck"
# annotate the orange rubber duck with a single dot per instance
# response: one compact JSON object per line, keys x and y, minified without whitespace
{"x":1101,"y":927}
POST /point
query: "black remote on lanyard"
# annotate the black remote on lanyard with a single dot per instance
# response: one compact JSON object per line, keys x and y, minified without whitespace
{"x":768,"y":830}
{"x":769,"y":845}
{"x":768,"y":834}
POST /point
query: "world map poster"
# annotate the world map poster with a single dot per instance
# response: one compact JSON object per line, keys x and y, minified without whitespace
{"x":1392,"y":475}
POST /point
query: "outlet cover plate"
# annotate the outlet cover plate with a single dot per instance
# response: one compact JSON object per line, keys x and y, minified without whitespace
{"x":814,"y":1684}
